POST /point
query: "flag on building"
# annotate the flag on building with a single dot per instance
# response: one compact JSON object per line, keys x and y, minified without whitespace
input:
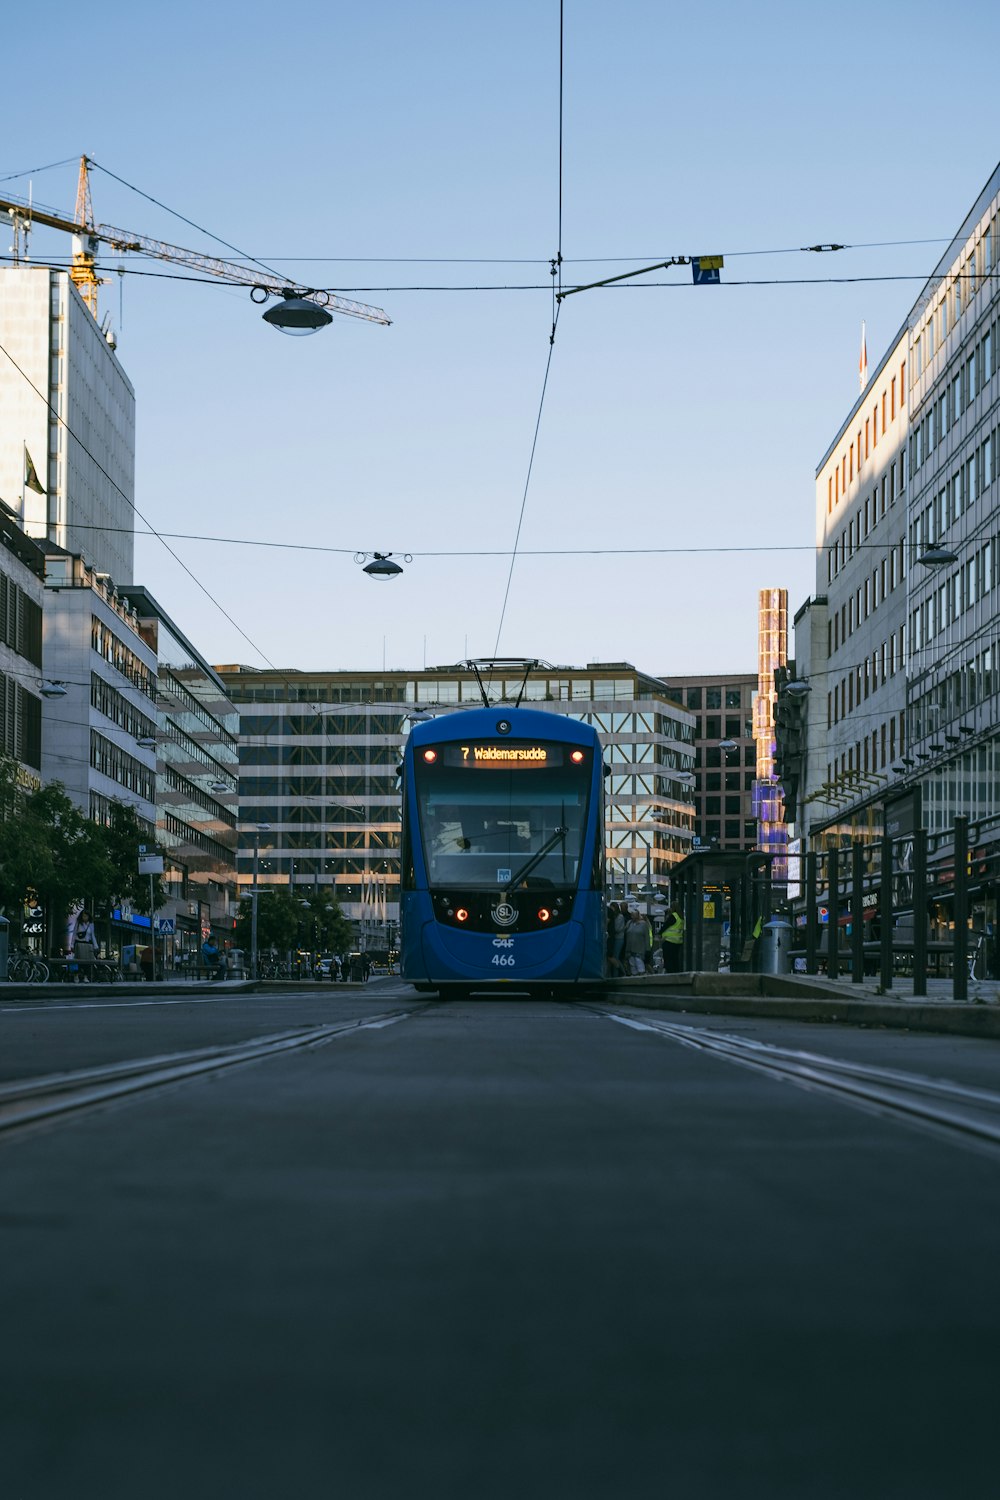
{"x":863,"y":361}
{"x":31,"y":479}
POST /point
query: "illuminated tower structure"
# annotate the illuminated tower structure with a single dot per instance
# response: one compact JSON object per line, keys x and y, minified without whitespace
{"x":772,"y":651}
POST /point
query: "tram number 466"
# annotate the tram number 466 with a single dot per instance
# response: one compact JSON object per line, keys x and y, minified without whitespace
{"x":503,"y":960}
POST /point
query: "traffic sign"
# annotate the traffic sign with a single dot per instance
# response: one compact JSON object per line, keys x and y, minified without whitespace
{"x":165,"y":926}
{"x":705,"y":270}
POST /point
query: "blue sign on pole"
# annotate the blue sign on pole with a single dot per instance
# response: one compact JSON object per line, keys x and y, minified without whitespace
{"x":706,"y":269}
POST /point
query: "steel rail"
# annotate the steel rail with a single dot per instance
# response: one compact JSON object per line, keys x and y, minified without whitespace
{"x":939,"y":1104}
{"x":33,"y":1101}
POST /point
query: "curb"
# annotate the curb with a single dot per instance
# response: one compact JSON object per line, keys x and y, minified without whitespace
{"x":57,"y":994}
{"x":776,"y":998}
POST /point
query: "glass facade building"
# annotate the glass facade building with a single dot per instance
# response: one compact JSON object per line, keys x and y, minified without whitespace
{"x":722,"y":707}
{"x":197,"y":771}
{"x":319,"y":754}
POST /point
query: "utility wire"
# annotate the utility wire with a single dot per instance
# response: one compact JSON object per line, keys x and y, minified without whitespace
{"x":59,"y":263}
{"x":200,"y":227}
{"x":239,"y":541}
{"x":118,"y":490}
{"x":527,"y":482}
{"x":31,"y":171}
{"x":556,"y":304}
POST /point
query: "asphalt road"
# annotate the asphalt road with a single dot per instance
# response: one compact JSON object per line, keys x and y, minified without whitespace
{"x":490,"y":1249}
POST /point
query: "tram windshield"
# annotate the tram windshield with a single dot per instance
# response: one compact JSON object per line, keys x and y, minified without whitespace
{"x":492,"y":826}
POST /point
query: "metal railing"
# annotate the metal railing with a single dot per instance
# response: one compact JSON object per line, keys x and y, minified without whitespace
{"x":867,"y":910}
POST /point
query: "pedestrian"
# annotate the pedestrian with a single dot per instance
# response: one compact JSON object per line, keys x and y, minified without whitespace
{"x":618,"y":950}
{"x":636,"y":941}
{"x":210,"y":957}
{"x":84,"y":947}
{"x":611,"y":940}
{"x":672,"y":941}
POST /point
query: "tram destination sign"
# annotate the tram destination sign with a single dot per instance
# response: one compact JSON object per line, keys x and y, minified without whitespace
{"x":487,"y":756}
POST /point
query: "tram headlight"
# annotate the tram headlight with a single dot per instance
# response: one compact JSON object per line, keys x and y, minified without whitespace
{"x":577,"y":757}
{"x":461,"y":915}
{"x":430,"y":756}
{"x":544,"y":914}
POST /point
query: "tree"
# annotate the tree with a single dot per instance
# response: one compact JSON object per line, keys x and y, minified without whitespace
{"x":284,"y":919}
{"x":332,"y":929}
{"x":47,"y":845}
{"x":122,"y":838}
{"x":277,"y":921}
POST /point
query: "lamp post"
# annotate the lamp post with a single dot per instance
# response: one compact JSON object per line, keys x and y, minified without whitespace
{"x":258,"y":830}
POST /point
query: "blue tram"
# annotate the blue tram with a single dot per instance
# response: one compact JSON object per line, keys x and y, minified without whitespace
{"x":502,"y":877}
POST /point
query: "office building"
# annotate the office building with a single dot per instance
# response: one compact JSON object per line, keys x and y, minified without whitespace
{"x":67,"y":442}
{"x":197,"y":770}
{"x":900,"y":642}
{"x":725,"y":756}
{"x":99,"y":734}
{"x":22,"y":569}
{"x":318,"y":764}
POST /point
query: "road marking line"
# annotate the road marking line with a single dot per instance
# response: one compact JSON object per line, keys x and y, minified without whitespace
{"x":949,"y":1109}
{"x":31,"y":1102}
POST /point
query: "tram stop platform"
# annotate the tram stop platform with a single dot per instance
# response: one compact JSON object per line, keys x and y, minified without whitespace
{"x":802,"y":997}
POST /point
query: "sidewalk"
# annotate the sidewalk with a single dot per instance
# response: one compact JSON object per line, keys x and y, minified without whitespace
{"x":174,"y":986}
{"x":803,"y":997}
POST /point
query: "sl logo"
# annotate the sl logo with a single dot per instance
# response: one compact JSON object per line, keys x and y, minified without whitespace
{"x":503,"y":914}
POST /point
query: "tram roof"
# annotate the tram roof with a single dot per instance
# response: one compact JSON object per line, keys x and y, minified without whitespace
{"x":536,"y":723}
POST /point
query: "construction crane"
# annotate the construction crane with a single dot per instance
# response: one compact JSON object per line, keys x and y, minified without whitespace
{"x":88,"y":236}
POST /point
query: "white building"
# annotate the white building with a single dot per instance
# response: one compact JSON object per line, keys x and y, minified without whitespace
{"x":901,"y":642}
{"x":67,"y":440}
{"x":21,"y":570}
{"x":953,"y":670}
{"x":851,"y":640}
{"x":92,"y":736}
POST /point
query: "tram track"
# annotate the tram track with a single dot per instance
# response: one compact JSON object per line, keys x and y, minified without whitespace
{"x":965,"y":1115}
{"x":34,"y":1102}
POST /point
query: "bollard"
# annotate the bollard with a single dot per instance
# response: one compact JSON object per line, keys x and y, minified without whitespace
{"x":776,"y":947}
{"x":857,"y":912}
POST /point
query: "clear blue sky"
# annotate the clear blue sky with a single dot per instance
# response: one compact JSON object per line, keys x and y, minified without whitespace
{"x":674,"y":417}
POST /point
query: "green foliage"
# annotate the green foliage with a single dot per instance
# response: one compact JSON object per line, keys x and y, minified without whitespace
{"x":122,"y":840}
{"x":310,"y":919}
{"x":49,"y":846}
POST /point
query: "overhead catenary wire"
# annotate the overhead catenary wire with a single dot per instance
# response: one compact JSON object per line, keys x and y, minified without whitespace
{"x":62,"y":263}
{"x":693,"y":549}
{"x":556,"y":305}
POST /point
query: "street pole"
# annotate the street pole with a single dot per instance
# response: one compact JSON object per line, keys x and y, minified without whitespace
{"x":152,"y":928}
{"x":291,"y":897}
{"x":253,"y":906}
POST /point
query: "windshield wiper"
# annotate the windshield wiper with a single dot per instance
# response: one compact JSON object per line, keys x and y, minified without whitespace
{"x":536,"y":859}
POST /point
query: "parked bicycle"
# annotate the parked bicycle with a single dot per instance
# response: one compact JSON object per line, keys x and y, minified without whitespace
{"x":26,"y":968}
{"x":977,"y":958}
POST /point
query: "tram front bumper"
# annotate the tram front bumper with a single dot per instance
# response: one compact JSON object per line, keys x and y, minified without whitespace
{"x":523,"y":958}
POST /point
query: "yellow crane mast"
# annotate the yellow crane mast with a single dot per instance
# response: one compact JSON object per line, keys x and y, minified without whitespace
{"x":87,"y":236}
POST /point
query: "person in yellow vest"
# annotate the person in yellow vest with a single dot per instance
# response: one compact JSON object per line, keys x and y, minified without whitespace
{"x":672,"y":941}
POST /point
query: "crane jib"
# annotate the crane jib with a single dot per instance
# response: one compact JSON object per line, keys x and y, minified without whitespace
{"x":242,"y":274}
